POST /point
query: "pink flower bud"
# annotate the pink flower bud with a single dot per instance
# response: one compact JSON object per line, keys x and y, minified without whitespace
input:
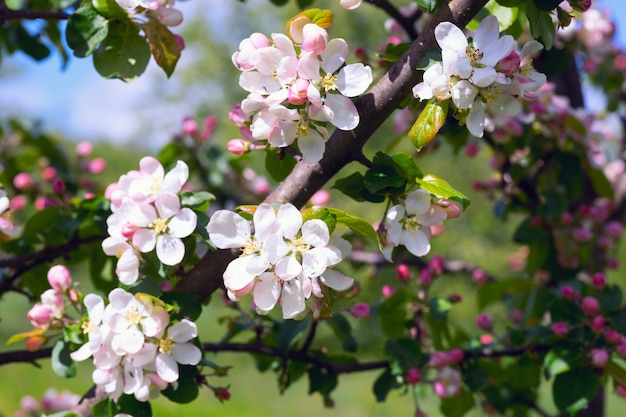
{"x":387,"y":291}
{"x":452,"y":210}
{"x":298,"y":92}
{"x":569,"y":293}
{"x":590,"y":306}
{"x":58,"y":186}
{"x":456,"y":356}
{"x":614,"y":229}
{"x":598,"y":280}
{"x":413,"y":376}
{"x":580,"y":5}
{"x":560,"y":328}
{"x":190,"y":126}
{"x":599,"y":358}
{"x":73,"y":295}
{"x":44,"y":202}
{"x":620,"y":390}
{"x":439,"y":359}
{"x":238,"y":146}
{"x":128,"y":230}
{"x":60,"y":278}
{"x":509,"y":64}
{"x":314,"y":39}
{"x":612,"y":263}
{"x":40,"y":316}
{"x":454,"y":298}
{"x":166,"y":286}
{"x":261,"y":186}
{"x":516,"y":316}
{"x":436,"y":265}
{"x":484,"y":322}
{"x":403,"y":273}
{"x":479,"y":276}
{"x":612,"y":337}
{"x":237,"y":115}
{"x":222,"y":393}
{"x":361,"y":310}
{"x":621,"y":348}
{"x":619,"y":63}
{"x":17,"y":203}
{"x":598,"y":323}
{"x":48,"y":173}
{"x":320,"y":198}
{"x":424,"y":278}
{"x":471,"y":149}
{"x":84,"y":149}
{"x":180,"y":42}
{"x":23,"y":181}
{"x":96,"y":166}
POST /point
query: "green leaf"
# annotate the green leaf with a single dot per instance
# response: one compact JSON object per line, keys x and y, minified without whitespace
{"x":86,"y":28}
{"x":354,"y":187}
{"x":358,"y":225}
{"x":290,"y":331}
{"x":406,"y":352}
{"x":343,"y":330}
{"x":541,"y":26}
{"x":560,"y":359}
{"x":109,"y":8}
{"x":439,"y":308}
{"x":30,"y":44}
{"x":428,"y":5}
{"x":188,"y":304}
{"x":495,"y":291}
{"x":187,"y":389}
{"x":407,"y":167}
{"x":128,"y":404}
{"x":601,"y":184}
{"x":428,"y":123}
{"x":616,"y":372}
{"x":527,"y":232}
{"x":62,"y":363}
{"x":506,"y":15}
{"x":322,"y":381}
{"x":440,"y":188}
{"x":384,"y":384}
{"x":572,"y":390}
{"x":392,"y":314}
{"x":163,"y":45}
{"x":197,"y":199}
{"x":105,"y":408}
{"x":278,"y":163}
{"x":547,"y":5}
{"x":457,"y":406}
{"x":124,"y":53}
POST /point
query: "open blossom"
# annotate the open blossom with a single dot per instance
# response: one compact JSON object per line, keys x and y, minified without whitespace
{"x":294,"y":92}
{"x":283,"y":262}
{"x":409,"y":224}
{"x":6,"y":225}
{"x":135,"y":348}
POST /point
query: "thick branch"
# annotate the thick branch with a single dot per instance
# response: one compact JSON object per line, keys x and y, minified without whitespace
{"x":7,"y":14}
{"x":21,"y":356}
{"x":343,"y":147}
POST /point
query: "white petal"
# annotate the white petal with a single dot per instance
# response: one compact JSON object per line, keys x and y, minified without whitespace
{"x":418,"y":202}
{"x":487,"y":32}
{"x":449,"y":36}
{"x":312,"y":145}
{"x":144,"y":240}
{"x":236,"y":277}
{"x":354,"y":79}
{"x":166,"y":367}
{"x":288,"y":268}
{"x":228,"y":230}
{"x":483,"y":77}
{"x":264,"y":221}
{"x":463,"y":94}
{"x":495,"y":51}
{"x":167,"y":205}
{"x":335,"y":54}
{"x":309,"y":66}
{"x":183,"y":223}
{"x":416,"y":242}
{"x":314,"y":262}
{"x":266,"y":291}
{"x":186,"y":353}
{"x":170,"y":249}
{"x":346,"y":116}
{"x":290,"y":220}
{"x":475,"y":120}
{"x":292,"y":299}
{"x":315,"y":232}
{"x":336,"y":280}
{"x":275,"y":248}
{"x":176,"y":178}
{"x":183,"y":331}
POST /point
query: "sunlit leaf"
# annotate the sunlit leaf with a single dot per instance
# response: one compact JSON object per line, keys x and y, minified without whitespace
{"x":163,"y":45}
{"x":428,"y":123}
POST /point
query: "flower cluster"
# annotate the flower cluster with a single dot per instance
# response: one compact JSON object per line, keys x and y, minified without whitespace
{"x":135,"y":348}
{"x":51,"y":402}
{"x":480,"y":74}
{"x":297,"y":84}
{"x":409,"y":224}
{"x":50,"y":310}
{"x":147,"y":214}
{"x":161,"y":10}
{"x":283,"y":261}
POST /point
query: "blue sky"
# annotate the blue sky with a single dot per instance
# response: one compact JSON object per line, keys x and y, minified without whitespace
{"x":81,"y":105}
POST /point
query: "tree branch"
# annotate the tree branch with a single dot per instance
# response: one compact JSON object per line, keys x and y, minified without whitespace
{"x":343,"y":147}
{"x":21,"y":356}
{"x":7,"y":14}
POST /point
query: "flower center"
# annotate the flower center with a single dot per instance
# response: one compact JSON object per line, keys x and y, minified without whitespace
{"x":250,"y":248}
{"x":157,"y":183}
{"x":133,"y":315}
{"x":166,"y":345}
{"x":473,"y":54}
{"x":411,"y":223}
{"x":300,"y":245}
{"x":159,"y":226}
{"x":490,"y":94}
{"x":329,"y":82}
{"x":87,"y":326}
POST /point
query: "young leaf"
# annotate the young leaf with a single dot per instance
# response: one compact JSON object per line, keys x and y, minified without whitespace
{"x":163,"y":45}
{"x":62,"y":364}
{"x":440,"y":188}
{"x":109,"y":8}
{"x":86,"y":28}
{"x":430,"y":120}
{"x":358,"y":225}
{"x":541,"y":26}
{"x":124,"y":53}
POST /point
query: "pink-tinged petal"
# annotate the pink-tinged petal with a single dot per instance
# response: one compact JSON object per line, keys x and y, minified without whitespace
{"x":292,"y":299}
{"x":416,"y":242}
{"x":350,"y":4}
{"x":106,"y":358}
{"x":312,"y":145}
{"x":530,"y":48}
{"x":345,"y":114}
{"x":497,"y":50}
{"x":228,"y":230}
{"x":167,"y":205}
{"x":283,"y":44}
{"x":282,"y":133}
{"x":258,"y":83}
{"x":144,"y":240}
{"x":484,"y":77}
{"x":119,"y":299}
{"x":315,"y":288}
{"x":155,"y":323}
{"x":354,"y":79}
{"x":418,"y":202}
{"x":176,"y":178}
{"x":266,"y":291}
{"x":315,"y":232}
{"x":290,"y":220}
{"x":146,"y":355}
{"x":335,"y":54}
{"x":336,"y":280}
{"x":314,"y":38}
{"x":95,"y":307}
{"x":83,"y":352}
{"x":112,"y":246}
{"x":151,"y":167}
{"x":288,"y":268}
{"x":183,"y":223}
{"x":314,"y":262}
{"x":142,"y":215}
{"x":449,"y":36}
{"x":309,"y":66}
{"x":186,"y":353}
{"x":266,"y":59}
{"x":170,"y":249}
{"x":166,"y":367}
{"x":236,"y":277}
{"x":183,"y":331}
{"x":475,"y":120}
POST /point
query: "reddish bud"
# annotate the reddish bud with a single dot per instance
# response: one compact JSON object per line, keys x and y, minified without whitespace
{"x":23,"y":181}
{"x":599,"y":358}
{"x":484,"y":322}
{"x":97,"y":166}
{"x":455,"y":298}
{"x":238,"y":146}
{"x":598,"y":323}
{"x":612,"y":263}
{"x":510,"y":63}
{"x":598,"y":280}
{"x":387,"y":291}
{"x":456,"y":356}
{"x":58,"y":186}
{"x":560,"y":328}
{"x":567,"y":219}
{"x":569,"y":293}
{"x":439,"y":359}
{"x":612,"y":337}
{"x":620,"y":390}
{"x":471,"y":149}
{"x":436,"y":265}
{"x":424,"y":278}
{"x":403,"y":273}
{"x":413,"y":376}
{"x":479,"y":276}
{"x":590,"y":306}
{"x":516,"y":316}
{"x":48,"y":173}
{"x":361,"y":310}
{"x":222,"y":393}
{"x":35,"y":343}
{"x":453,"y":211}
{"x":180,"y":42}
{"x":60,"y":278}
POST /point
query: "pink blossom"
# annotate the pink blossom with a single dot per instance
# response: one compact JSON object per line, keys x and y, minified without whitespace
{"x":598,"y":280}
{"x":48,"y":173}
{"x":598,"y":323}
{"x":403,"y":273}
{"x":60,"y":278}
{"x":456,"y":356}
{"x":413,"y":376}
{"x":58,"y":186}
{"x":484,"y":322}
{"x":387,"y":291}
{"x":590,"y":306}
{"x":439,"y":359}
{"x":436,"y":265}
{"x":447,"y":383}
{"x":560,"y":328}
{"x":569,"y":293}
{"x":23,"y":181}
{"x":180,"y":42}
{"x":18,"y":202}
{"x":84,"y":149}
{"x":479,"y":276}
{"x":612,"y":337}
{"x":238,"y":146}
{"x":424,"y":277}
{"x":190,"y":126}
{"x":96,"y":166}
{"x":320,"y":198}
{"x":599,"y":358}
{"x":509,"y":64}
{"x":40,"y":315}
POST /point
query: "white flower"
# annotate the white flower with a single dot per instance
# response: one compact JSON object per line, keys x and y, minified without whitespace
{"x":175,"y":348}
{"x":436,"y":84}
{"x":93,"y":327}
